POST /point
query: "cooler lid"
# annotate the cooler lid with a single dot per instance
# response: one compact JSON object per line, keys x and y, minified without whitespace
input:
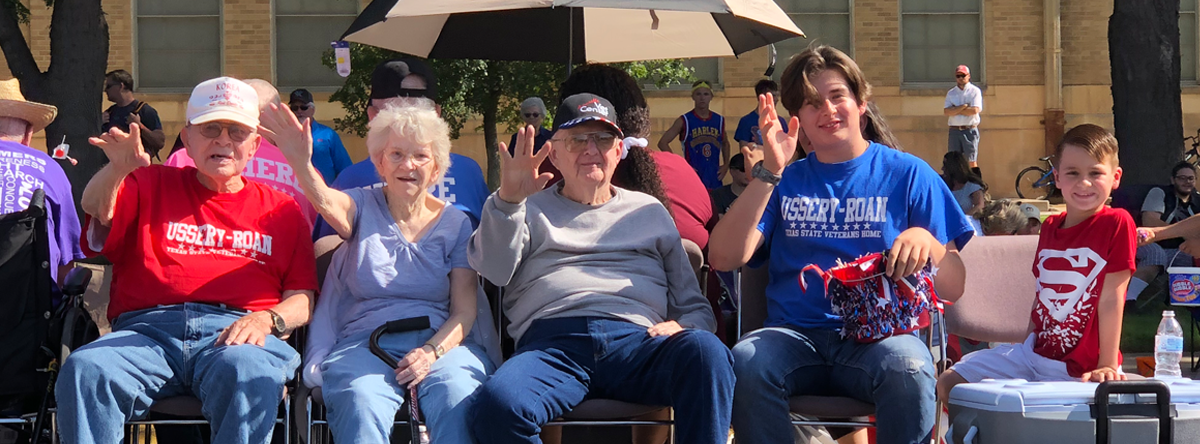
{"x":1015,"y":395}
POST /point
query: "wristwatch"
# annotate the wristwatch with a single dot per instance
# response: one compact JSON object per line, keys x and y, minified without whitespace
{"x":438,"y":351}
{"x":759,"y":172}
{"x":278,"y":326}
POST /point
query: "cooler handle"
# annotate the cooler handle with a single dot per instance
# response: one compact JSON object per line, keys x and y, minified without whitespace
{"x":969,"y":437}
{"x":1162,"y":397}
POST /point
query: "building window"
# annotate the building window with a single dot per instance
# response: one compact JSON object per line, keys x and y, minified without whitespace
{"x":178,"y":42}
{"x":1187,"y":41}
{"x":303,"y":31}
{"x":824,"y":22}
{"x":938,"y":35}
{"x":705,"y":68}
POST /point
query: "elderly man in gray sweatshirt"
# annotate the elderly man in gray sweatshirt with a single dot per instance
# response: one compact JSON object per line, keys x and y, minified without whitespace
{"x":602,"y":299}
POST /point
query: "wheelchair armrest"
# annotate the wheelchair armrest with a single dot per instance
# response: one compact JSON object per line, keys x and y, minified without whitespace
{"x":77,"y":281}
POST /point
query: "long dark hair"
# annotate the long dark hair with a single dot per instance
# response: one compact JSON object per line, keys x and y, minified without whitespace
{"x":957,"y":170}
{"x":876,"y":129}
{"x":638,"y":171}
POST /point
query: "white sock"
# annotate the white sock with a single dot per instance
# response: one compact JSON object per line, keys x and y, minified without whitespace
{"x":1135,"y":288}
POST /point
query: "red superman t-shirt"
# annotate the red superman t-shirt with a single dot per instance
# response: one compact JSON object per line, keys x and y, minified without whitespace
{"x":1070,"y":268}
{"x":172,"y":241}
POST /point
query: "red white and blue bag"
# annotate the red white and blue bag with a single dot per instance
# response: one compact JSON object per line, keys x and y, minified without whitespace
{"x":871,"y":304}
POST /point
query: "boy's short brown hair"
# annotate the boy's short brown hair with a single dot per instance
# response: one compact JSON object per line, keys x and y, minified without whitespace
{"x":1094,"y":139}
{"x":796,"y":84}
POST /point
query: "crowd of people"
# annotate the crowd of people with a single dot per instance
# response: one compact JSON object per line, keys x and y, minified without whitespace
{"x":589,"y":234}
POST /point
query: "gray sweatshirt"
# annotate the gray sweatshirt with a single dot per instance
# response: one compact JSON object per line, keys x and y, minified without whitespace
{"x":559,"y":258}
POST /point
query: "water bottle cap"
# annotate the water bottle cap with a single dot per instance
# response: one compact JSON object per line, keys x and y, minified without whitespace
{"x":1170,"y":313}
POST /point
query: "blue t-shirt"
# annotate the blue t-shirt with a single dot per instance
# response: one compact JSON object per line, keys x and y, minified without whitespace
{"x":701,"y":140}
{"x":463,"y":187}
{"x":821,"y":213}
{"x":329,"y":156}
{"x":747,"y":129}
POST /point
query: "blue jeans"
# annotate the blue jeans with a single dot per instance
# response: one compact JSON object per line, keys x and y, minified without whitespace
{"x":896,"y":374}
{"x":362,"y":396}
{"x":561,"y":362}
{"x":169,"y":351}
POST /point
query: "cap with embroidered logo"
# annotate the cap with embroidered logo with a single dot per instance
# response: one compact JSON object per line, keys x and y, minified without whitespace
{"x":223,"y":98}
{"x":584,"y":107}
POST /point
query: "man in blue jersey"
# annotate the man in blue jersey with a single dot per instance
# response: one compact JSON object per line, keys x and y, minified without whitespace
{"x":404,"y":82}
{"x":329,"y":155}
{"x":702,"y":133}
{"x":747,"y":132}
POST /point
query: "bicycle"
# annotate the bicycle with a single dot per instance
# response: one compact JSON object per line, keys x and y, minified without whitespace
{"x":1036,"y":182}
{"x":1192,"y":156}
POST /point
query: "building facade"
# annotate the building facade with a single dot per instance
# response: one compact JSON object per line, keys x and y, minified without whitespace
{"x":1042,"y":64}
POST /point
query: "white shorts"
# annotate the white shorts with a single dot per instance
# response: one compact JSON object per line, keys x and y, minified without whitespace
{"x":1011,"y":361}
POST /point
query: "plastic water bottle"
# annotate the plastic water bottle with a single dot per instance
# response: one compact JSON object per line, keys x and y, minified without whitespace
{"x":1168,"y":347}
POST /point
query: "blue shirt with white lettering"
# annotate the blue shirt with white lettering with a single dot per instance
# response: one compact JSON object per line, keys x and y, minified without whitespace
{"x":463,"y":187}
{"x":821,"y":213}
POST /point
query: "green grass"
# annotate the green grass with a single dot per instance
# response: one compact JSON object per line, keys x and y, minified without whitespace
{"x":1142,"y":318}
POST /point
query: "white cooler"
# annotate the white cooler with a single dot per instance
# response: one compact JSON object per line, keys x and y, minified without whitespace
{"x":1016,"y":411}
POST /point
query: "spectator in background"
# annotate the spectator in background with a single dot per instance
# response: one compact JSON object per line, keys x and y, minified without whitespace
{"x":968,"y":188}
{"x":1003,"y":218}
{"x":723,"y":197}
{"x":1034,"y":217}
{"x":747,"y":130}
{"x":268,"y":165}
{"x":31,"y":169}
{"x":1164,"y":206}
{"x":963,"y":104}
{"x":405,"y":82}
{"x":126,"y":109}
{"x":702,"y":133}
{"x":533,"y":112}
{"x":329,"y":156}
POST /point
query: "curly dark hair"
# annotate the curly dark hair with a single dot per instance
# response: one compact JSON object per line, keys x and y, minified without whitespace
{"x":638,"y":171}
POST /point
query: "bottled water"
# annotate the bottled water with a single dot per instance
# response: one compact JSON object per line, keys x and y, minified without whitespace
{"x":1168,"y":347}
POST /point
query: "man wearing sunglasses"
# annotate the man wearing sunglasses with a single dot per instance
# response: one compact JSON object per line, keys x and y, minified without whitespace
{"x":210,"y":270}
{"x":126,"y":109}
{"x":964,"y":102}
{"x":533,"y":112}
{"x":329,"y":155}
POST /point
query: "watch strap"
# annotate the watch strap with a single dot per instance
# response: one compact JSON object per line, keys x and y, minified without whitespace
{"x":278,"y":325}
{"x":760,"y":172}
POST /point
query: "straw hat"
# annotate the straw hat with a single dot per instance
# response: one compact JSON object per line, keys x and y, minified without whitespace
{"x":13,"y":104}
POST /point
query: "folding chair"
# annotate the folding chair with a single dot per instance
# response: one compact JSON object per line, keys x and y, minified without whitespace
{"x":831,"y":411}
{"x":34,"y":341}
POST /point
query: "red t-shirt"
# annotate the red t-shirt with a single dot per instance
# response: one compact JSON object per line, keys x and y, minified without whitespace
{"x":691,"y":206}
{"x":173,"y":241}
{"x":1070,"y":268}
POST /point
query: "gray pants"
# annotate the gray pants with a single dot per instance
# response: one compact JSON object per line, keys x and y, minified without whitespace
{"x":965,"y":141}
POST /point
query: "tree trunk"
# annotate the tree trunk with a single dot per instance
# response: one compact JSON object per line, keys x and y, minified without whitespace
{"x":1143,"y":42}
{"x":489,"y":139}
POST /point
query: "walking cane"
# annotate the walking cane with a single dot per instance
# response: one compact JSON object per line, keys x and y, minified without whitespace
{"x":410,"y":395}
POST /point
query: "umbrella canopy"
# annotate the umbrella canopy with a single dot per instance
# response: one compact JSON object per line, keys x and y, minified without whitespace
{"x":602,"y":31}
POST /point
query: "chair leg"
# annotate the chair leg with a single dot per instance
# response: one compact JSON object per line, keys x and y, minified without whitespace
{"x":652,"y":434}
{"x":552,"y":434}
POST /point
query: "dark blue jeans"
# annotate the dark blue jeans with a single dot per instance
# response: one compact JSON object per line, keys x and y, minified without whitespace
{"x":561,"y":362}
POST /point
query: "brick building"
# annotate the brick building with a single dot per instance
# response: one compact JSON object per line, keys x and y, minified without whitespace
{"x":1037,"y":61}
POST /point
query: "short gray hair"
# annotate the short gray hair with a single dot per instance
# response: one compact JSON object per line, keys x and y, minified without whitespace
{"x":13,"y":129}
{"x":420,"y":124}
{"x":534,"y":102}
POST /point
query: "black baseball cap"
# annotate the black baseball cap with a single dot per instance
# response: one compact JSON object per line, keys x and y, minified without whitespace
{"x":586,"y":107}
{"x":300,"y":95}
{"x":387,"y":77}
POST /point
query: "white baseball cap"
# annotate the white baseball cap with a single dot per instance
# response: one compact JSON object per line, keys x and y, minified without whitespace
{"x":223,"y":98}
{"x":1031,"y":211}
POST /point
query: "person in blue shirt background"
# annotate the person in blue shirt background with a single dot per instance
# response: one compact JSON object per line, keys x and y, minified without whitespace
{"x":747,"y":130}
{"x":329,"y":155}
{"x":850,"y":197}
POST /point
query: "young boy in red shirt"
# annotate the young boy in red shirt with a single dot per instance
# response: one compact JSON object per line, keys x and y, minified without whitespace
{"x":1085,"y":258}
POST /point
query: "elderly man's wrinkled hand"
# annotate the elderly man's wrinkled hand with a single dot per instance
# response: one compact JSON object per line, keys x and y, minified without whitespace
{"x":124,"y":150}
{"x":667,"y":328}
{"x":293,"y":137}
{"x":249,"y":329}
{"x":779,"y":143}
{"x":519,"y":175}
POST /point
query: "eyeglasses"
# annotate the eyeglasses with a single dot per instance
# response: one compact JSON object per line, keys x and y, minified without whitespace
{"x":296,"y":108}
{"x":1185,"y":178}
{"x":604,"y":140}
{"x":237,"y":133}
{"x":532,"y":115}
{"x":960,"y":75}
{"x":418,"y":159}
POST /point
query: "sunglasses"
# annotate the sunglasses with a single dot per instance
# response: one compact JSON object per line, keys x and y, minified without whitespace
{"x":960,"y":75}
{"x":237,"y":133}
{"x":605,"y":141}
{"x":296,"y":108}
{"x":532,"y":115}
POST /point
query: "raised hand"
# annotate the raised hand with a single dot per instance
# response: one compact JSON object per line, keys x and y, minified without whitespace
{"x":519,"y":176}
{"x":294,"y":139}
{"x":778,"y":146}
{"x":124,"y":150}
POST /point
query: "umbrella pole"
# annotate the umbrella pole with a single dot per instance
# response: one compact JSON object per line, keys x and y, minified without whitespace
{"x":571,"y":39}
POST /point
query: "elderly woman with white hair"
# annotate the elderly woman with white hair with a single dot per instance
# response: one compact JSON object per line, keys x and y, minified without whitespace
{"x":404,"y":256}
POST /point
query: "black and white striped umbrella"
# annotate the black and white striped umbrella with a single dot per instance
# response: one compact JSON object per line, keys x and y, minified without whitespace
{"x":602,"y":31}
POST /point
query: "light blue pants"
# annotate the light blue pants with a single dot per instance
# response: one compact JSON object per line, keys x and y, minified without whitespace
{"x":771,"y":364}
{"x":170,"y":351}
{"x":362,"y":396}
